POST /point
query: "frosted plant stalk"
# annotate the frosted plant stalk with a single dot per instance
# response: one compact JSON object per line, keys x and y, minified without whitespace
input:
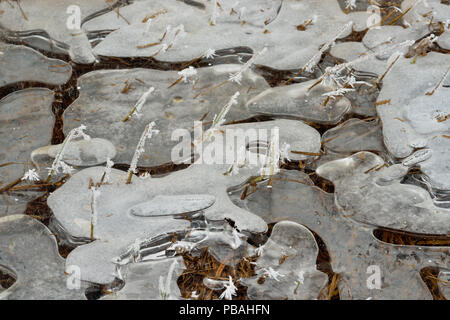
{"x":139,"y":104}
{"x":187,"y":73}
{"x":147,"y":134}
{"x":310,"y":65}
{"x":106,"y":178}
{"x":430,"y":93}
{"x":58,"y":164}
{"x":331,"y":75}
{"x":164,"y":286}
{"x":391,"y":61}
{"x":177,"y":33}
{"x":237,"y":76}
{"x":301,"y":277}
{"x":95,"y":193}
{"x":230,"y":290}
{"x":184,"y":74}
{"x":220,"y":119}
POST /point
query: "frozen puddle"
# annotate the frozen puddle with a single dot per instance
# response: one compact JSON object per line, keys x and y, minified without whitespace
{"x":253,"y":149}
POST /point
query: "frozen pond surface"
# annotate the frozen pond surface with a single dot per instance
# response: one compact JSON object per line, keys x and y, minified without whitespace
{"x":252,"y":149}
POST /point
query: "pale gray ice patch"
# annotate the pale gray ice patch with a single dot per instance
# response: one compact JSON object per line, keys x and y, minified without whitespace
{"x":172,"y":205}
{"x":371,"y":193}
{"x":278,"y":32}
{"x":294,"y":278}
{"x":29,"y":251}
{"x":414,"y":115}
{"x":20,"y":63}
{"x":351,"y":50}
{"x":444,"y":282}
{"x":101,"y":106}
{"x":354,"y":135}
{"x":444,"y":39}
{"x":297,"y":101}
{"x":8,"y":206}
{"x":142,"y":281}
{"x":351,"y":245}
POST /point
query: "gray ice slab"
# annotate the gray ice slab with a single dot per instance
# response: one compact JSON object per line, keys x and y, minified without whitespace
{"x":351,"y":245}
{"x":372,"y":194}
{"x":142,"y":281}
{"x":444,"y":40}
{"x":101,"y":106}
{"x":8,"y":207}
{"x":354,"y":135}
{"x":288,"y":48}
{"x":297,"y":276}
{"x":172,"y":205}
{"x":116,"y":229}
{"x":412,"y":116}
{"x":28,"y":250}
{"x":20,"y":63}
{"x":296,"y":101}
{"x":26,"y":122}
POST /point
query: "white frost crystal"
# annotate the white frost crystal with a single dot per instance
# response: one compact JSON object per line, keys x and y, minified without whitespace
{"x":230,"y":290}
{"x":31,"y":175}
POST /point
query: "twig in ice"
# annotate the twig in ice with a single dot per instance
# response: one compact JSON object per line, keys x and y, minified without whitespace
{"x":430,"y":93}
{"x":136,"y":111}
{"x":184,"y":74}
{"x":147,"y":134}
{"x":95,"y":193}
